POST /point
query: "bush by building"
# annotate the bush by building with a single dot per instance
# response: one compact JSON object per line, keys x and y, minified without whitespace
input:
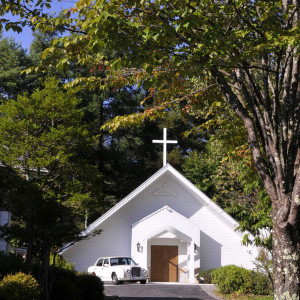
{"x":205,"y":276}
{"x":67,"y":284}
{"x":19,"y":286}
{"x":10,"y":264}
{"x":231,"y":279}
{"x":90,"y":286}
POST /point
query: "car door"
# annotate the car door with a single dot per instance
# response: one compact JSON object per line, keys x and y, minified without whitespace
{"x":98,"y":268}
{"x":106,"y":270}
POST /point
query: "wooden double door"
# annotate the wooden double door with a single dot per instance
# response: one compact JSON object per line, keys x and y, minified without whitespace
{"x":164,"y":263}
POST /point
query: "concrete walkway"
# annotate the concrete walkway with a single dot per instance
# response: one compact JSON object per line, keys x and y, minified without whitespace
{"x":160,"y":291}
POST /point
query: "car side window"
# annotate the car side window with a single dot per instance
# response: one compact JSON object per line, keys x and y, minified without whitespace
{"x":100,"y":262}
{"x":106,"y":261}
{"x":113,"y":261}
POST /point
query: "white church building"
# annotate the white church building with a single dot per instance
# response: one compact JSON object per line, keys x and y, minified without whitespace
{"x":4,"y":220}
{"x":169,"y":226}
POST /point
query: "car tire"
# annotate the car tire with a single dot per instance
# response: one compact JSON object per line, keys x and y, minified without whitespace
{"x":115,"y":279}
{"x":143,"y":281}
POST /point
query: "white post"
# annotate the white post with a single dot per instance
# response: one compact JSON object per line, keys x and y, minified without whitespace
{"x":191,"y":262}
{"x":164,"y":142}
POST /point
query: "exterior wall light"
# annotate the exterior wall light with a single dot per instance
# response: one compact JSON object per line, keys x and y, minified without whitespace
{"x":138,"y":247}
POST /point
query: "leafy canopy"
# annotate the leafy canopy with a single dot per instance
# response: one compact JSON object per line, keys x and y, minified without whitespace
{"x":43,"y":139}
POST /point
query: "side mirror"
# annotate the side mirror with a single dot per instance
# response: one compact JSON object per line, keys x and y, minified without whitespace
{"x":105,"y":265}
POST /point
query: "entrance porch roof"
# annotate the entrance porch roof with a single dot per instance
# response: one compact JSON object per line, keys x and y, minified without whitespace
{"x":166,"y":220}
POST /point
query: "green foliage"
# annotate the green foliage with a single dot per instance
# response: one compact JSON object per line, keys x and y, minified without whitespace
{"x":27,"y":11}
{"x":124,"y":156}
{"x":43,"y":139}
{"x":206,"y":275}
{"x":179,"y":51}
{"x":222,"y":177}
{"x":225,"y":172}
{"x":43,"y":132}
{"x":200,"y":168}
{"x":64,"y":289}
{"x":10,"y":264}
{"x":61,"y":263}
{"x":230,"y":279}
{"x":238,"y":296}
{"x":90,"y":286}
{"x":264,"y":264}
{"x":19,"y":286}
{"x":68,"y":284}
{"x":63,"y":281}
{"x":13,"y":60}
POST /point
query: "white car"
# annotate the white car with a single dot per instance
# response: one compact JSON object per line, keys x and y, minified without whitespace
{"x":118,"y":270}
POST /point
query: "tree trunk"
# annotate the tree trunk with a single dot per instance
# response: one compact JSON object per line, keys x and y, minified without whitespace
{"x":30,"y":241}
{"x":286,"y":261}
{"x":45,"y":270}
{"x":276,"y":158}
{"x":101,"y":137}
{"x":286,"y":265}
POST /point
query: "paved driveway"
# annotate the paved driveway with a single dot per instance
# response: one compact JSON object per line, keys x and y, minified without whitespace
{"x":159,"y":291}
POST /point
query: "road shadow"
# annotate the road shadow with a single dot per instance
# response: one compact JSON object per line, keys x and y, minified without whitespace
{"x":156,"y":292}
{"x":156,"y":298}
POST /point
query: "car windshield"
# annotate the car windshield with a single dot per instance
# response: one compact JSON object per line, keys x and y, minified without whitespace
{"x":117,"y":261}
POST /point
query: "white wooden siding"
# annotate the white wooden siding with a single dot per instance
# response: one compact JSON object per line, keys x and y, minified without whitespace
{"x":220,"y":244}
{"x":4,"y":219}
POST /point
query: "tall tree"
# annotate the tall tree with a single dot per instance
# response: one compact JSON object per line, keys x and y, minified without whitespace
{"x":13,"y":60}
{"x":42,"y":138}
{"x":249,"y":49}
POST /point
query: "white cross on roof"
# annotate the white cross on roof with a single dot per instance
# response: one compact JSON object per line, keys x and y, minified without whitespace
{"x":164,"y":142}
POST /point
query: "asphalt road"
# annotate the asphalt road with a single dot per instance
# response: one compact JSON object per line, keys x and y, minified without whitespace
{"x":159,"y":291}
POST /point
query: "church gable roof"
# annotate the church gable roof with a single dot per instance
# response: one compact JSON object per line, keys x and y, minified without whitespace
{"x":198,"y":195}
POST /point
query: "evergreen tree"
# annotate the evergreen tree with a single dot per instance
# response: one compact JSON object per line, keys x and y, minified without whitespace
{"x":42,"y":138}
{"x":13,"y":60}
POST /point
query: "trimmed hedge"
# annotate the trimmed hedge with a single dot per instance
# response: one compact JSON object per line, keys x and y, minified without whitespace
{"x":19,"y":286}
{"x":231,"y":279}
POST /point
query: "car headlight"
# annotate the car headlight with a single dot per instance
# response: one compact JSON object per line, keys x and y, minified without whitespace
{"x":127,"y":273}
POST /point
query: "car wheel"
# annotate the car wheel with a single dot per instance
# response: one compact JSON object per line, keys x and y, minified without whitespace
{"x":143,"y":281}
{"x":115,"y":279}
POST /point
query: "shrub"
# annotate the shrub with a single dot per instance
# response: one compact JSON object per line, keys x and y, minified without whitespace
{"x":63,"y":280}
{"x":70,"y":285}
{"x":90,"y":286}
{"x":19,"y":286}
{"x":10,"y":264}
{"x":206,"y":275}
{"x":231,"y":279}
{"x":261,"y":284}
{"x":61,"y":262}
{"x":63,"y":284}
{"x":64,"y":289}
